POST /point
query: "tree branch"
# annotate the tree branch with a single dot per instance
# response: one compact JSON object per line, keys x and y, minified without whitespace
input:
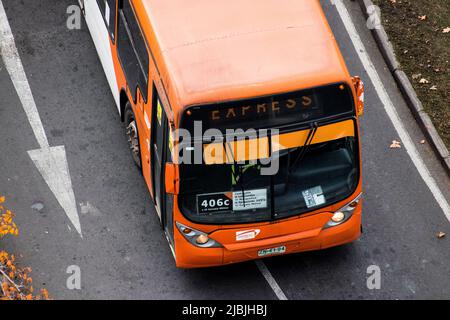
{"x":13,"y":283}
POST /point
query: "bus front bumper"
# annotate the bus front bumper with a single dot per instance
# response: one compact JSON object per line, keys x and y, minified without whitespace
{"x":189,"y":256}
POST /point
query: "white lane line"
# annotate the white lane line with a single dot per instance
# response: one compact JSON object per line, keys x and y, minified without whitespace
{"x":270,"y":280}
{"x":390,"y":109}
{"x":50,"y":161}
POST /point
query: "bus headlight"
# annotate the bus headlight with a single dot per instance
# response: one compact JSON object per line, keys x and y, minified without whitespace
{"x":338,"y":217}
{"x":345,"y":213}
{"x":197,"y":238}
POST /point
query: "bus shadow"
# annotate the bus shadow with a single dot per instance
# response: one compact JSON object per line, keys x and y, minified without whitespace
{"x":321,"y":266}
{"x":229,"y":282}
{"x":333,"y":272}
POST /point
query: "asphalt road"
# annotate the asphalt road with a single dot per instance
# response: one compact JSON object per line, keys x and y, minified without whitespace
{"x":123,"y":253}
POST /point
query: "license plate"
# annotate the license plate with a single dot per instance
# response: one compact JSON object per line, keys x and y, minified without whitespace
{"x":268,"y":252}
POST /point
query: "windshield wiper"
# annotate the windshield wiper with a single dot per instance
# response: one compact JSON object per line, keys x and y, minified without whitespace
{"x":312,"y":132}
{"x":236,"y":176}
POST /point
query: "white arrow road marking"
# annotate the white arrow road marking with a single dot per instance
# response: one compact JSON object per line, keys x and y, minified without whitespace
{"x":53,"y":166}
{"x":50,"y":161}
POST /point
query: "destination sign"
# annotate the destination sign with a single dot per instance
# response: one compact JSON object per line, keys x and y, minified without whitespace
{"x":305,"y":105}
{"x":273,"y":111}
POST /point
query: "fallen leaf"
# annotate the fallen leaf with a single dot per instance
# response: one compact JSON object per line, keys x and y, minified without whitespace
{"x":422,"y":18}
{"x":446,"y":30}
{"x":440,"y":234}
{"x":434,"y":88}
{"x":424,"y":81}
{"x":395,"y":144}
{"x":416,"y":76}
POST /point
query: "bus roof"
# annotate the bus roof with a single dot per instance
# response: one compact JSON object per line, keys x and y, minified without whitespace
{"x":220,"y":50}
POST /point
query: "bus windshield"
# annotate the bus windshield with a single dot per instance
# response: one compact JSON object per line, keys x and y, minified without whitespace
{"x":308,"y":178}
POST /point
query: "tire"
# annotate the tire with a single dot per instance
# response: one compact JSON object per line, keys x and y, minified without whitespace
{"x":133,"y":135}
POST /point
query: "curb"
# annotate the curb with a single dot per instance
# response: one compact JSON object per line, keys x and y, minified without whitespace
{"x":407,"y":90}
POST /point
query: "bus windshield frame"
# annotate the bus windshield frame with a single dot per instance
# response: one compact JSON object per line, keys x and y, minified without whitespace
{"x":269,"y":213}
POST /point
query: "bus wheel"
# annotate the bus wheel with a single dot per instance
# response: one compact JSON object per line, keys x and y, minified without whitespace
{"x":133,"y":135}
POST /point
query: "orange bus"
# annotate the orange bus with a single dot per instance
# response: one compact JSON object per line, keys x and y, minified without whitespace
{"x":243,"y":118}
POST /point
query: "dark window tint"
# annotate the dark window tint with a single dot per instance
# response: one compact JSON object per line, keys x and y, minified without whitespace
{"x":274,"y":111}
{"x":108,"y":10}
{"x":138,"y":40}
{"x":132,"y":51}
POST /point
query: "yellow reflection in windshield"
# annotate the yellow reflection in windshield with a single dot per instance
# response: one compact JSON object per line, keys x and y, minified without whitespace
{"x":254,"y":149}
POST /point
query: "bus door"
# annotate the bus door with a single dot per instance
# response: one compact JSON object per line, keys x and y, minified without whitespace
{"x":161,"y":154}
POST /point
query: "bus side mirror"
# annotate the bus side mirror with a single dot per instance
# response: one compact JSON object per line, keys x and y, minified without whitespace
{"x":171,"y":180}
{"x":359,"y":89}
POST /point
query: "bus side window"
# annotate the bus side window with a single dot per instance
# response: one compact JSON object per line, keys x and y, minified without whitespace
{"x":108,"y":10}
{"x":133,"y":53}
